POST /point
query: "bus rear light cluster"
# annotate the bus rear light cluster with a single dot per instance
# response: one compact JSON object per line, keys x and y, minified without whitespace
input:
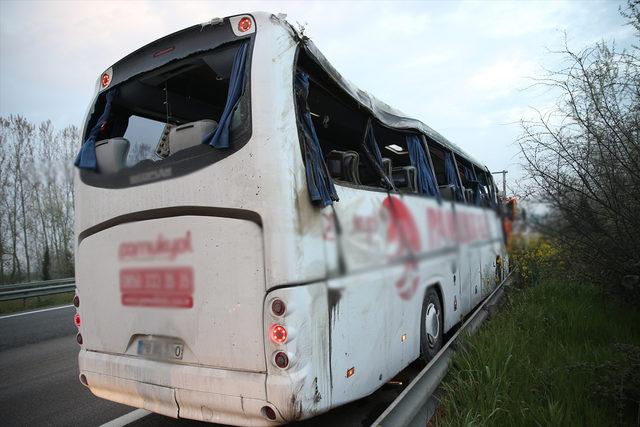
{"x":76,"y":320}
{"x":278,"y":307}
{"x":79,"y":338}
{"x":76,"y":301}
{"x":278,"y":334}
{"x":281,"y":360}
{"x":244,"y":24}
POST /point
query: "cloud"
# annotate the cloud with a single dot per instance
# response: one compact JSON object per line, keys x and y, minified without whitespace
{"x":457,"y":66}
{"x":502,"y":77}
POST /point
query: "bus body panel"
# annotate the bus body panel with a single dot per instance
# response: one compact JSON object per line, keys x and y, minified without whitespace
{"x":194,"y":280}
{"x":375,"y":306}
{"x":186,"y":391}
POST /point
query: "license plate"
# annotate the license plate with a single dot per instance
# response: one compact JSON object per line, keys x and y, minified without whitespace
{"x":160,"y":349}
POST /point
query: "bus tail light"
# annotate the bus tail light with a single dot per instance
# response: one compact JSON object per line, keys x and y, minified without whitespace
{"x":76,"y":301}
{"x":244,"y":24}
{"x":268,"y":413}
{"x":278,"y":307}
{"x":79,"y":338}
{"x":76,"y":320}
{"x":278,"y":334}
{"x":281,"y":360}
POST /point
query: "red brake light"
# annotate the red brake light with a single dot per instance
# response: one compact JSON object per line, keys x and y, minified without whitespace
{"x":105,"y":80}
{"x":278,"y":307}
{"x":76,"y":320}
{"x":281,"y":359}
{"x":278,"y":334}
{"x":244,"y":24}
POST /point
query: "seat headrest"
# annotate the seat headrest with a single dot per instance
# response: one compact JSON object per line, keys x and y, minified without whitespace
{"x":446,"y":191}
{"x":405,"y":177}
{"x":111,"y":154}
{"x":343,"y":165}
{"x":189,"y":134}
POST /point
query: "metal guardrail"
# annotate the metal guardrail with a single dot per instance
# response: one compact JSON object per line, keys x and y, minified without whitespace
{"x":37,"y":289}
{"x":410,"y":407}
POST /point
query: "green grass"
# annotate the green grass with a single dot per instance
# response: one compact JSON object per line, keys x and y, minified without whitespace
{"x":7,"y":307}
{"x":551,"y":356}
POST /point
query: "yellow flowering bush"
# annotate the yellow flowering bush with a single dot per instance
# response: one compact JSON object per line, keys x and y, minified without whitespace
{"x":532,"y":257}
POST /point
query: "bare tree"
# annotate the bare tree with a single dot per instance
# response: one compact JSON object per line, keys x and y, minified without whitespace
{"x":36,"y":199}
{"x":583,"y":157}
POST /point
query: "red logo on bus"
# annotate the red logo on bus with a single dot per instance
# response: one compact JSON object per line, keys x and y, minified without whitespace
{"x":161,"y":248}
{"x":404,"y":239}
{"x":157,"y":287}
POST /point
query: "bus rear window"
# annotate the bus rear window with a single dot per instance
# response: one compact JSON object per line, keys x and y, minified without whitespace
{"x":162,"y":117}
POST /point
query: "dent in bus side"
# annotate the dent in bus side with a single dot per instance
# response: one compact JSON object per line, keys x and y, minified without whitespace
{"x":303,"y":388}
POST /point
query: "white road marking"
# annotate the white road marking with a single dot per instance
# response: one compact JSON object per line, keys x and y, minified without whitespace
{"x":35,"y":311}
{"x":127,"y":418}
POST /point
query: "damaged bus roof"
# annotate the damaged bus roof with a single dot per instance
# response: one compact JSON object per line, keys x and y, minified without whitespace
{"x":383,"y":112}
{"x":203,"y":36}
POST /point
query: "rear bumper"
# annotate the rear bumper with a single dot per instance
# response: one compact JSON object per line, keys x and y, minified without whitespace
{"x":179,"y":391}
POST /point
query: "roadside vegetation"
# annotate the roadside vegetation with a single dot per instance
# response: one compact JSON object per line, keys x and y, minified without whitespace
{"x":14,"y":306}
{"x":559,"y":352}
{"x":565,"y":347}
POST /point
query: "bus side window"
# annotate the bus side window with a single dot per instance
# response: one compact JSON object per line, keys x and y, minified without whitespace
{"x":339,"y":124}
{"x":396,"y":163}
{"x":437,"y":157}
{"x":467,"y":185}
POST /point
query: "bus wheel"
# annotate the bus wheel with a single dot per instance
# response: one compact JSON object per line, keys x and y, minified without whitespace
{"x":431,"y":325}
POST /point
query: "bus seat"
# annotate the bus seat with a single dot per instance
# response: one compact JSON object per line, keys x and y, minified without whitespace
{"x":343,"y":165}
{"x":469,"y":194}
{"x":111,"y":154}
{"x":405,"y":178}
{"x":190,"y":134}
{"x":447,"y":192}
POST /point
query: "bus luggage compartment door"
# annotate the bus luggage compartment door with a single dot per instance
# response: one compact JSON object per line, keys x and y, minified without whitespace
{"x":186,"y":289}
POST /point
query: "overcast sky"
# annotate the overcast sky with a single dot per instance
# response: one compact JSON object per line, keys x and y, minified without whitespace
{"x":459,"y":67}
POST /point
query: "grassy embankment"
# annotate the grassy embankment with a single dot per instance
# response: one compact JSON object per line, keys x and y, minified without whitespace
{"x":557,"y":353}
{"x":33,"y":303}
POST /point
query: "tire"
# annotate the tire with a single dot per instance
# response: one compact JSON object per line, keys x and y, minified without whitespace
{"x":431,"y":325}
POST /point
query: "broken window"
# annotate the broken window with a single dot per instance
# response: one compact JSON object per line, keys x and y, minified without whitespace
{"x":167,"y":115}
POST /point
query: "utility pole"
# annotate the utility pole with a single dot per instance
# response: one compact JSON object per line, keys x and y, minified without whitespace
{"x":504,"y":181}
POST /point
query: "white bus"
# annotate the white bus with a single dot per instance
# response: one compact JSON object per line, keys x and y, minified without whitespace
{"x":259,"y":241}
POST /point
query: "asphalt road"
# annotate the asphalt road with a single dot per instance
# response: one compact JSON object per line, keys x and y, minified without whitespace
{"x":39,"y":372}
{"x":39,"y":381}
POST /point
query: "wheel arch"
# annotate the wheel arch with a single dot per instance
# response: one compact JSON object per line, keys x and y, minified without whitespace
{"x":446,"y":301}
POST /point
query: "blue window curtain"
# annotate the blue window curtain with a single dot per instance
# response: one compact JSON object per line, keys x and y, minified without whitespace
{"x":219,"y":138}
{"x":483,"y":183}
{"x":86,"y":158}
{"x":319,"y":182}
{"x":470,"y":174}
{"x":372,"y":144}
{"x":419,"y":160}
{"x":452,"y":176}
